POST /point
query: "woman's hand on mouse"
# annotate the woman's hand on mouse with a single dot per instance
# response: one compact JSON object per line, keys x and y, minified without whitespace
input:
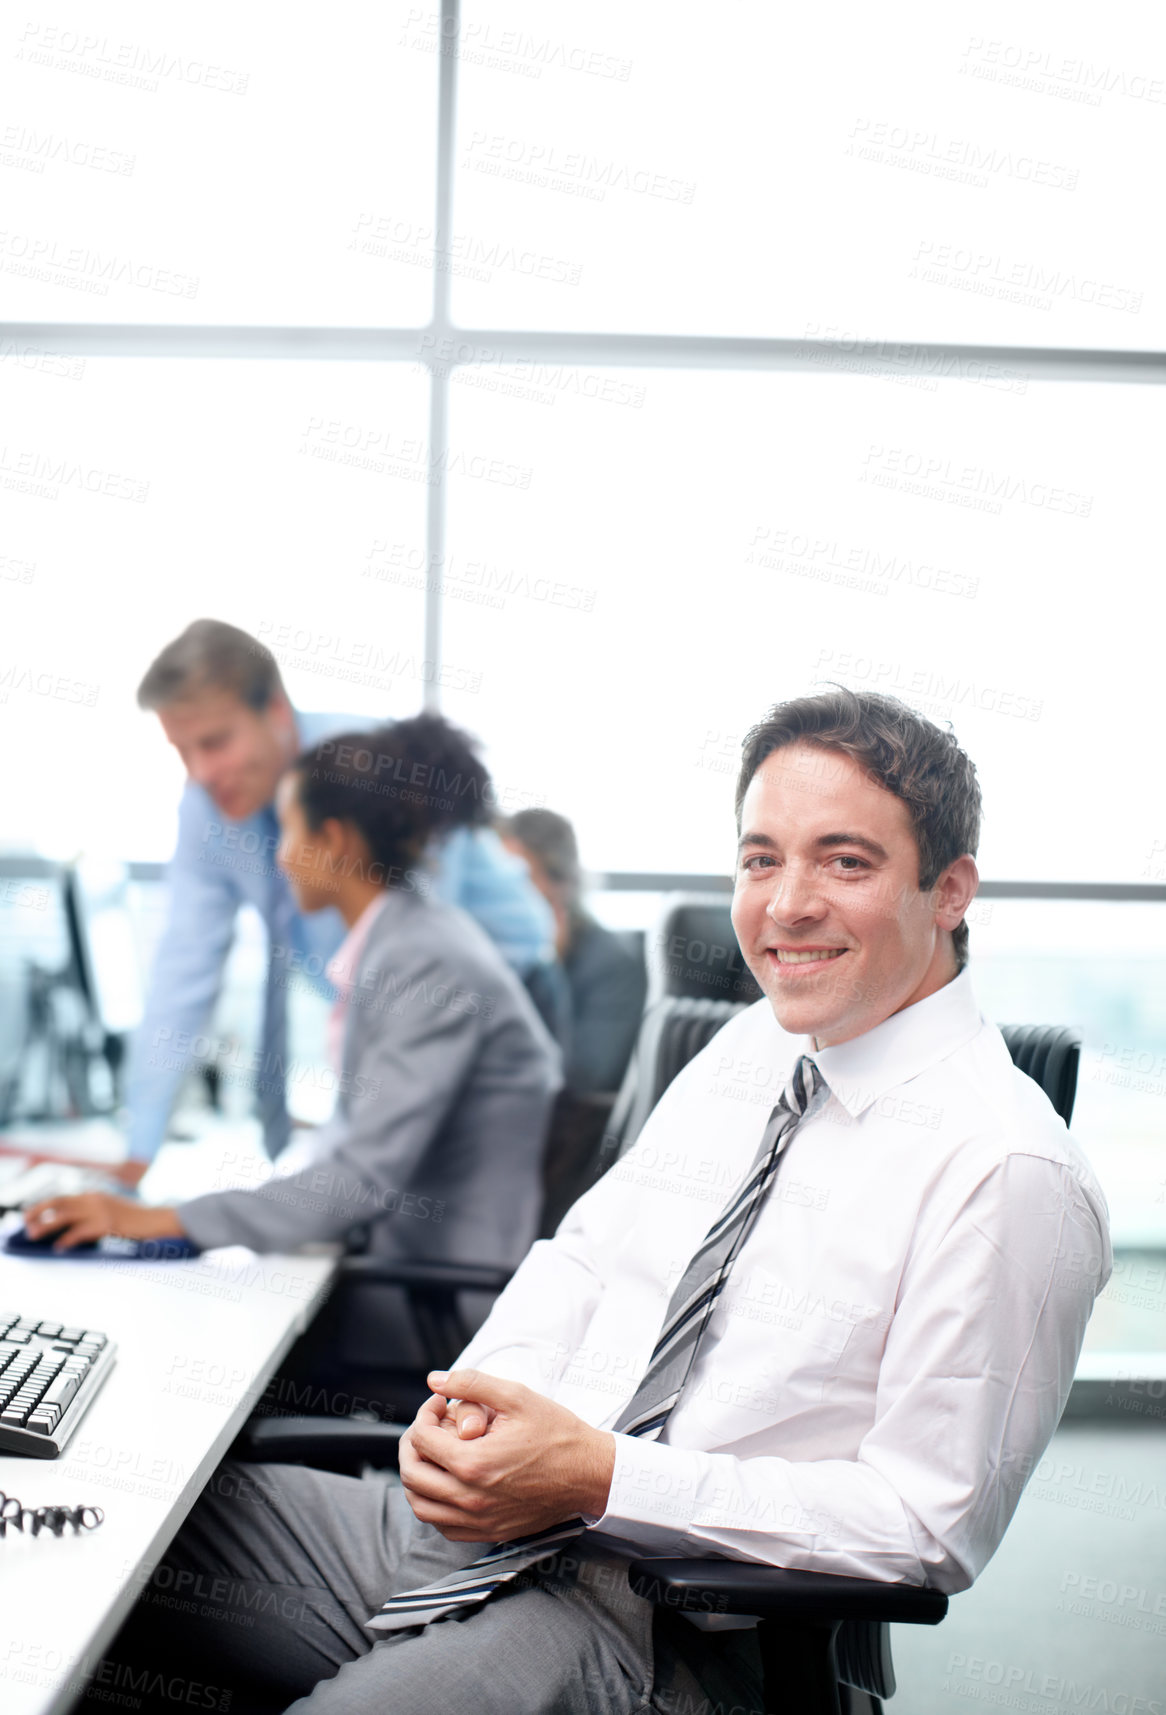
{"x":91,"y":1215}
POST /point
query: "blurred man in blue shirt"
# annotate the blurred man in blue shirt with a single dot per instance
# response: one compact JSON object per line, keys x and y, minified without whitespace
{"x":218,"y":695}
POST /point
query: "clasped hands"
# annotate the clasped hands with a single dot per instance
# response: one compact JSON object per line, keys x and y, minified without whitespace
{"x":486,"y":1460}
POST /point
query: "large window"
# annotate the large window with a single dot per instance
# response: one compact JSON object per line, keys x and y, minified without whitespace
{"x":215,"y":165}
{"x":932,"y":173}
{"x":602,"y":374}
{"x":685,"y":548}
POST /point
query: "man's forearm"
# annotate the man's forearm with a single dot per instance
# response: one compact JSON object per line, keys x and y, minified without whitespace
{"x":597,"y":1467}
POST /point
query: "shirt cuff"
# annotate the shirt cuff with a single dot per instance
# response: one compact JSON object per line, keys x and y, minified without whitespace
{"x":655,"y":1492}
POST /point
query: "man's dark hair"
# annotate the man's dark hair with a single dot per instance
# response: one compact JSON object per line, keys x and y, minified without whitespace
{"x":211,"y":655}
{"x":401,"y":785}
{"x":900,"y":750}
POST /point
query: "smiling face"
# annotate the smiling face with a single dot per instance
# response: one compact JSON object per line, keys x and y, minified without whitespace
{"x":827,"y":905}
{"x":236,"y":753}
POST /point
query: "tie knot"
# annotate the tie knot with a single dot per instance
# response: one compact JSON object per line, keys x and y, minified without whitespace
{"x":804,"y":1084}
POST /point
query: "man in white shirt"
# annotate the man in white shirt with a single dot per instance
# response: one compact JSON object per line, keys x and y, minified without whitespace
{"x":881,"y":1351}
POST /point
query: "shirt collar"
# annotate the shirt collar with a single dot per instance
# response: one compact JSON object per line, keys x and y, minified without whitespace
{"x":345,"y":962}
{"x":858,"y":1072}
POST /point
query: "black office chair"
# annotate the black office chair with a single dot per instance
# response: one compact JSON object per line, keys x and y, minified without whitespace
{"x":694,"y":954}
{"x":1051,"y":1055}
{"x":673,"y":1032}
{"x":580,"y":1123}
{"x":824,"y":1639}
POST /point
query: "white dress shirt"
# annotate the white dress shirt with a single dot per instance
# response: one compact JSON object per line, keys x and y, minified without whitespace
{"x":897,"y":1338}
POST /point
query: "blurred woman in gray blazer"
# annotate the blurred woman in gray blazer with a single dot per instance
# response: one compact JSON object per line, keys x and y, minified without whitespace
{"x":445,"y":1073}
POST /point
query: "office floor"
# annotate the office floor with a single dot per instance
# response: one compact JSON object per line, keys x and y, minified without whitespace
{"x":1071,"y":1613}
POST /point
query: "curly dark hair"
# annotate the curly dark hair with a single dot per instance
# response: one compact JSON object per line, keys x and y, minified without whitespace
{"x":902,"y":751}
{"x":402,"y":785}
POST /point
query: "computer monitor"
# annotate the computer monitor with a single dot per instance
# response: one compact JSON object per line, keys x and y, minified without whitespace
{"x":102,"y":948}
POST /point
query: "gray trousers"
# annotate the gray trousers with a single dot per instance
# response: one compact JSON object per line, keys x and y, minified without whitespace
{"x":261,"y":1603}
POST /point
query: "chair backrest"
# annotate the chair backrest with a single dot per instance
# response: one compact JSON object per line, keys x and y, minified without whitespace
{"x":673,"y":1032}
{"x":676,"y":1028}
{"x":693,"y":952}
{"x":1051,"y":1055}
{"x":633,"y":942}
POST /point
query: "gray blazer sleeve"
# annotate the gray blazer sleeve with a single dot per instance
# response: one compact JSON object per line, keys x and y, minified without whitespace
{"x":413,"y":1060}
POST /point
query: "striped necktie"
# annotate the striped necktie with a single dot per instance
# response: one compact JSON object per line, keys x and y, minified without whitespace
{"x":689,"y":1311}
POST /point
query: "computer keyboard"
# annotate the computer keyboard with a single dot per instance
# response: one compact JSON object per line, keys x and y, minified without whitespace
{"x":49,"y":1375}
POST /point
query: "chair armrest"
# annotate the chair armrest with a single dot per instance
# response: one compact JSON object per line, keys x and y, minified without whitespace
{"x":774,"y":1592}
{"x":331,"y":1444}
{"x":442,"y":1276}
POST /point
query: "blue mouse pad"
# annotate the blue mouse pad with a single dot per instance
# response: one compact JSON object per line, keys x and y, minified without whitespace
{"x":18,"y":1243}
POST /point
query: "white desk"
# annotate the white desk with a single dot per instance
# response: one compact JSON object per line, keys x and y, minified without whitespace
{"x":197,"y":1343}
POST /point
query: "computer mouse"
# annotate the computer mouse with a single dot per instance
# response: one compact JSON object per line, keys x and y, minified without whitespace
{"x":21,"y":1243}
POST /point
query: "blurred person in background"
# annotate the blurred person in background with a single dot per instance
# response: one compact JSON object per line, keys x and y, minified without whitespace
{"x":445,"y":1073}
{"x":221,"y":703}
{"x":606,"y":984}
